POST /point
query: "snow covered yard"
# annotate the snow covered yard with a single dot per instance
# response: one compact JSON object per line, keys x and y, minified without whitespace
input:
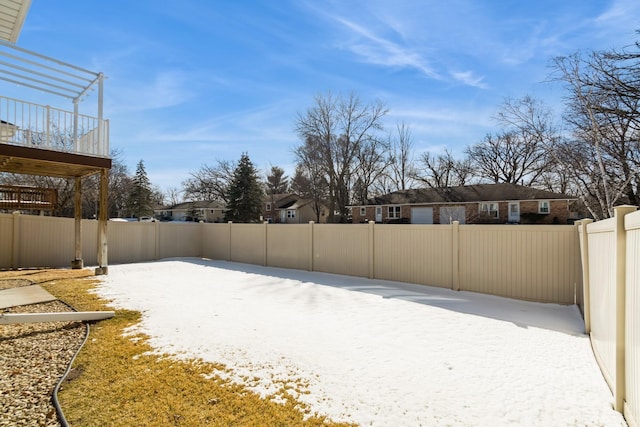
{"x":369,"y":351}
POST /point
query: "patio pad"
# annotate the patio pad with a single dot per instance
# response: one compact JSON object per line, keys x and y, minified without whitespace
{"x":23,"y":296}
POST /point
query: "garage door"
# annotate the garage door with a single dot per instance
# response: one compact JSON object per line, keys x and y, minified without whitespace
{"x":421,"y":215}
{"x":448,"y":214}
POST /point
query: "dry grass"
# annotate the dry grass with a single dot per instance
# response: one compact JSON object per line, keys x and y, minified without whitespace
{"x":115,"y":382}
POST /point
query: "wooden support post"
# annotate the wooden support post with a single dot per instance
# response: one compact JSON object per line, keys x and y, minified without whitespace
{"x":102,"y":223}
{"x":77,"y":262}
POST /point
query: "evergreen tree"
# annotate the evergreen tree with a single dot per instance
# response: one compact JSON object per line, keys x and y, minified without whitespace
{"x":245,"y":193}
{"x":277,"y":182}
{"x":140,"y":197}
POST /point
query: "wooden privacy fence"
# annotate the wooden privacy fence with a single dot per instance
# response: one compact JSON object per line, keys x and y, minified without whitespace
{"x":610,"y":251}
{"x":531,"y":262}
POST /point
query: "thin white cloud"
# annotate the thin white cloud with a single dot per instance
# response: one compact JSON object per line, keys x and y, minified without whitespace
{"x":377,"y":50}
{"x":168,"y":88}
{"x":470,"y":79}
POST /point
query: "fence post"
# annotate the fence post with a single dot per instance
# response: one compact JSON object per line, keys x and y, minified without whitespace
{"x":229,"y":247}
{"x":311,"y":245}
{"x":266,"y":243}
{"x":455,"y":255}
{"x":621,"y":271}
{"x":157,"y":236}
{"x":584,"y":257}
{"x":372,"y":270}
{"x":15,"y":244}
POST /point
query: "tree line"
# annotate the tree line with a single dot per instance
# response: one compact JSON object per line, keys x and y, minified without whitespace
{"x":345,"y":156}
{"x":593,"y":152}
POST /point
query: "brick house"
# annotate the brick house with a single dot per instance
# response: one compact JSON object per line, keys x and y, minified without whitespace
{"x":291,"y":209}
{"x":469,"y":204}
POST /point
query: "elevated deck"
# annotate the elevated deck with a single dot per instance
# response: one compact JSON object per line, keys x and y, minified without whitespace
{"x":27,"y":198}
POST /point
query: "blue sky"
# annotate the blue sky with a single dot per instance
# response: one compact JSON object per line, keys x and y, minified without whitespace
{"x":193,"y":81}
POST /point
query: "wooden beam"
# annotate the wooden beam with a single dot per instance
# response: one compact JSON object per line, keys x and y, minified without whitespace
{"x":77,"y":262}
{"x":65,"y":316}
{"x":102,"y":223}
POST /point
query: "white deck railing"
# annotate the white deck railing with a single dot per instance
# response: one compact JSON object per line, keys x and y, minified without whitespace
{"x":40,"y":126}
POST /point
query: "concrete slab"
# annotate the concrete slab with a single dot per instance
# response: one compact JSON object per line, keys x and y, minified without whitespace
{"x":23,"y":296}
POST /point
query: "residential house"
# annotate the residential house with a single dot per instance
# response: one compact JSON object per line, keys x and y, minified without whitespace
{"x":192,"y":211}
{"x":470,"y":204}
{"x":291,"y":209}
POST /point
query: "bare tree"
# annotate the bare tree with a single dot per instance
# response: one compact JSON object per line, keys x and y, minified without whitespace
{"x":510,"y":156}
{"x":443,"y":170}
{"x":603,"y":110}
{"x":309,"y":182}
{"x":373,"y":161}
{"x":401,"y":170}
{"x":336,"y":131}
{"x":534,"y":122}
{"x":209,"y":183}
{"x":174,"y":196}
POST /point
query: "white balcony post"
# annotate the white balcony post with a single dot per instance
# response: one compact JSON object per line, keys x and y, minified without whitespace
{"x":76,"y":148}
{"x":47,"y":134}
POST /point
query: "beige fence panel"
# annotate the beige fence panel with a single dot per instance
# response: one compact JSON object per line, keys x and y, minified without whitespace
{"x":414,"y":253}
{"x":602,"y":283}
{"x":45,"y":241}
{"x":90,"y":242}
{"x":216,"y":241}
{"x":537,"y":263}
{"x":6,"y":240}
{"x":632,"y":329}
{"x":248,"y":243}
{"x":179,"y":239}
{"x":130,"y":242}
{"x":289,"y":245}
{"x":341,"y":249}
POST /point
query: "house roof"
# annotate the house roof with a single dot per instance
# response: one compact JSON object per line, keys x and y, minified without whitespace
{"x":467,"y":193}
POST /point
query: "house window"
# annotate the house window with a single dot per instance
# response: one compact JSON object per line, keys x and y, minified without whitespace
{"x":291,"y":213}
{"x":363,"y":211}
{"x":489,"y":209}
{"x":393,"y":211}
{"x":268,"y":207}
{"x":544,"y":207}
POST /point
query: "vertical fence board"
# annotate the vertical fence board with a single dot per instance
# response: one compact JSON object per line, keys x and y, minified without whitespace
{"x":216,"y":243}
{"x":538,"y":263}
{"x":288,"y":246}
{"x":247,"y":243}
{"x":180,"y":240}
{"x":341,"y":249}
{"x":602,"y":264}
{"x":46,"y":241}
{"x":131,"y":242}
{"x":414,"y":253}
{"x":6,"y":239}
